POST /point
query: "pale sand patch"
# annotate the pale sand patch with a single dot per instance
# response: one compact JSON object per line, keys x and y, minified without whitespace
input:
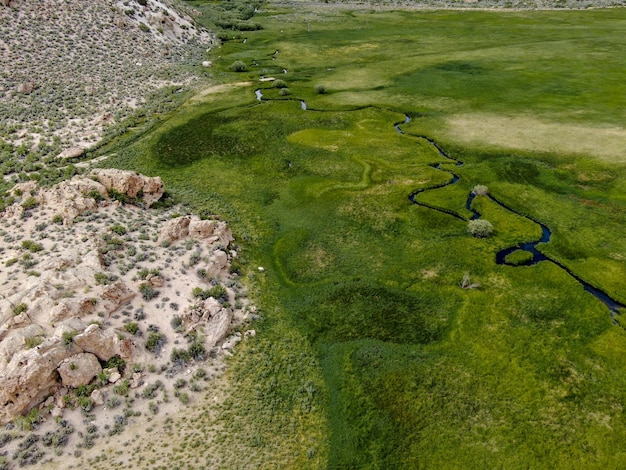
{"x":215,"y":89}
{"x":528,"y":133}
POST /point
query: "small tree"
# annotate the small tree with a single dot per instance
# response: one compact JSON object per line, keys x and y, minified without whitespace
{"x":320,"y":89}
{"x":480,"y":228}
{"x":480,"y":190}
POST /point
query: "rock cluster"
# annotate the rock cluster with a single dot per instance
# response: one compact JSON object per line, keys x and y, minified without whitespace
{"x":60,"y":324}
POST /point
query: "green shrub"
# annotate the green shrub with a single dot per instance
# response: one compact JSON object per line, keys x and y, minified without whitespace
{"x":284,"y":92}
{"x":57,"y":219}
{"x":197,"y":350}
{"x":32,"y":342}
{"x":32,"y":246}
{"x":11,"y":262}
{"x":132,"y":328}
{"x":279,"y":84}
{"x":238,"y":66}
{"x":147,"y":291}
{"x":155,"y":341}
{"x":180,"y":356}
{"x":119,"y":229}
{"x":116,"y":362}
{"x":30,"y":203}
{"x":94,"y":194}
{"x":20,"y":308}
{"x":480,"y":228}
{"x":68,"y":337}
{"x":118,"y":196}
{"x":144,"y":27}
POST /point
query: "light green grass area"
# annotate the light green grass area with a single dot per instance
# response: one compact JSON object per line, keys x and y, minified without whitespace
{"x":370,"y":353}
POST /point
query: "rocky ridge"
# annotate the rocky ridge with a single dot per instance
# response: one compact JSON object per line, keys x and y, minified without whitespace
{"x":88,"y":283}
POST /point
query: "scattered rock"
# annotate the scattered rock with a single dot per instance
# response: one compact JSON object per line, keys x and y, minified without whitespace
{"x":97,"y":397}
{"x":26,"y":88}
{"x":72,"y":152}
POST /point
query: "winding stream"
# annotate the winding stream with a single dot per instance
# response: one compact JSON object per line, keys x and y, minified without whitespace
{"x":531,"y":247}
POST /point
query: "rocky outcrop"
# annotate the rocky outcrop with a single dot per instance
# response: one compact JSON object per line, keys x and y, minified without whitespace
{"x":105,"y":343}
{"x":175,"y":229}
{"x":79,"y":369}
{"x":218,"y":327}
{"x":116,"y":295}
{"x":30,"y":377}
{"x":33,"y":374}
{"x":136,"y":186}
{"x":211,"y":231}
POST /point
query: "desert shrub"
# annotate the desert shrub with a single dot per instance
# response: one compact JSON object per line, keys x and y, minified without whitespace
{"x":30,"y":203}
{"x":68,"y":337}
{"x":57,"y":219}
{"x":238,"y":66}
{"x":176,"y":322}
{"x":104,"y":279}
{"x":32,"y":246}
{"x":279,"y":84}
{"x":197,"y":350}
{"x":119,"y":229}
{"x":180,"y":356}
{"x":118,"y":196}
{"x":122,"y":389}
{"x":94,"y":194}
{"x":480,"y":228}
{"x":198,"y":292}
{"x":20,"y":308}
{"x":132,"y":328}
{"x":155,"y":341}
{"x":10,"y":262}
{"x":116,"y":362}
{"x":151,"y":390}
{"x":194,"y":259}
{"x":144,"y":27}
{"x":32,"y":342}
{"x":320,"y":89}
{"x":147,"y":291}
{"x":218,"y":292}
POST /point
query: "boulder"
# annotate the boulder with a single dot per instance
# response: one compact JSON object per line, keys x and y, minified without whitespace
{"x":26,"y":88}
{"x":132,"y":184}
{"x":72,"y":152}
{"x":31,"y":376}
{"x":79,"y":369}
{"x":115,"y":295}
{"x":218,"y":327}
{"x":104,"y":343}
{"x":97,"y":397}
{"x":201,"y":228}
{"x":175,"y":229}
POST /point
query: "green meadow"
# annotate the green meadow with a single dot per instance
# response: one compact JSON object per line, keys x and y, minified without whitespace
{"x":369,"y":352}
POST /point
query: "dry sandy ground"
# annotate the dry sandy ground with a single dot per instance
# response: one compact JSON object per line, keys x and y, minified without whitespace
{"x":145,"y":420}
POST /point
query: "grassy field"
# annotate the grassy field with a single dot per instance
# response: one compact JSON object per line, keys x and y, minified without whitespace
{"x":369,"y":353}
